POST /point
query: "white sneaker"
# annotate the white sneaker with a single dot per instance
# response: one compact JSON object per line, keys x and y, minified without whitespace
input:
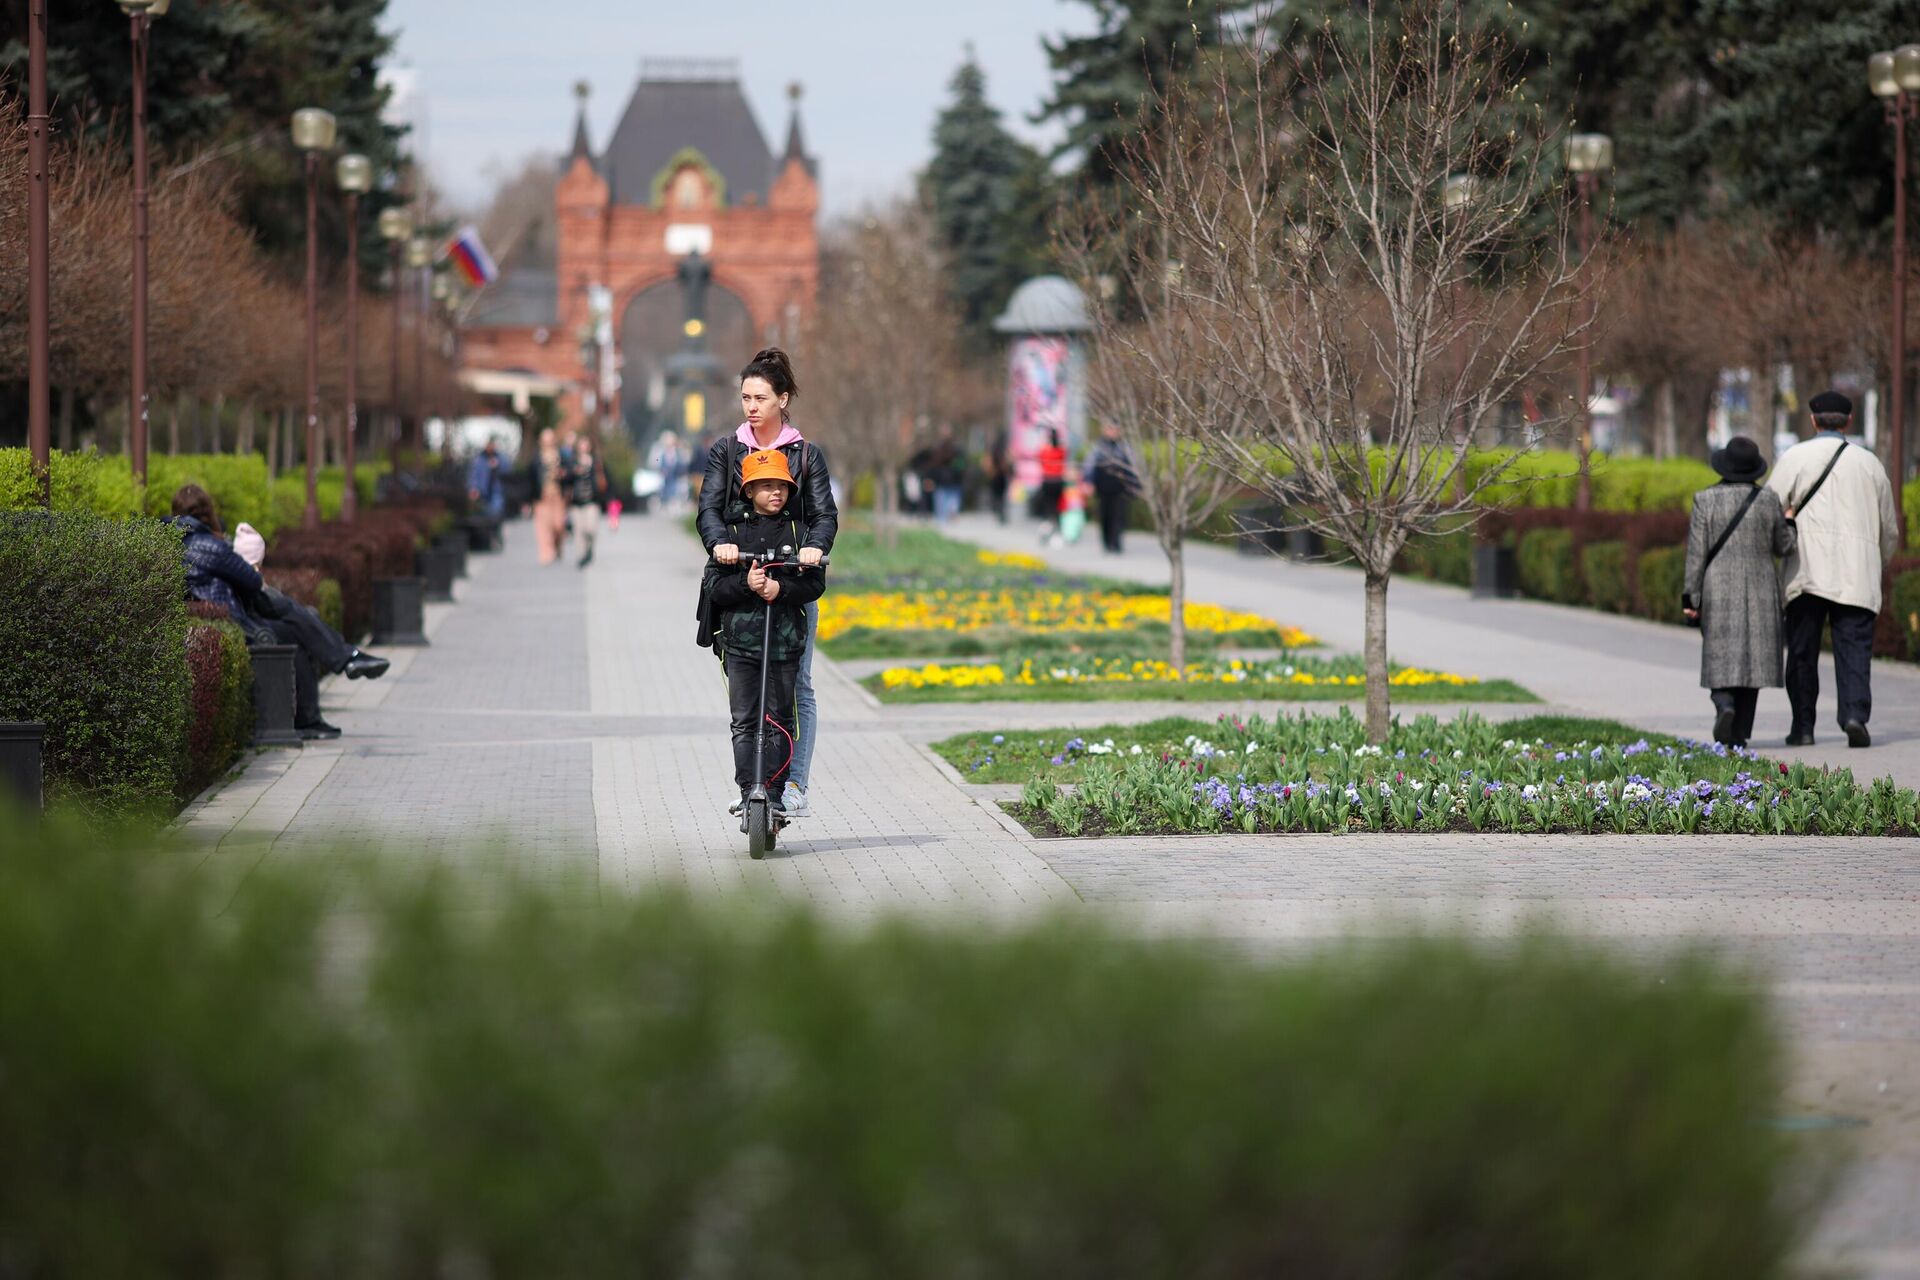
{"x":794,"y":801}
{"x":733,"y":810}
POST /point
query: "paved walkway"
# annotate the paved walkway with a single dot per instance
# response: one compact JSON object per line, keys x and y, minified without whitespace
{"x":563,"y":729}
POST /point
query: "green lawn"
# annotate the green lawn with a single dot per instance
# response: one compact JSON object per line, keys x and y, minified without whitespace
{"x":920,"y":558}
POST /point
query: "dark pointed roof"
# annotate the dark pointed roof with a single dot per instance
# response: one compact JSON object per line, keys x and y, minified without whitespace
{"x":796,"y":145}
{"x":686,"y":103}
{"x":582,"y":147}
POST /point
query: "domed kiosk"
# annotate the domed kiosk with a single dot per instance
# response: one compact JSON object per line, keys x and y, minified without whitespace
{"x":1046,"y":370}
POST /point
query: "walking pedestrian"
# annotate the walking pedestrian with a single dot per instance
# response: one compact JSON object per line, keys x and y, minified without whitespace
{"x":767,"y":390}
{"x":585,"y":483}
{"x":549,"y":504}
{"x":1839,"y":497}
{"x":999,"y":470}
{"x":1115,"y":479}
{"x":483,"y":481}
{"x":1053,"y":485}
{"x":1733,"y":587}
{"x":669,"y":463}
{"x":947,"y":472}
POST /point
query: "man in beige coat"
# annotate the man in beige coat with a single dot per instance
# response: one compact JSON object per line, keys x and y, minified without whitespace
{"x":1848,"y":530}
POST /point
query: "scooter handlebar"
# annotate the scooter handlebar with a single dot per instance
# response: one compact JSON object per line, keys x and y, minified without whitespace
{"x":774,"y":560}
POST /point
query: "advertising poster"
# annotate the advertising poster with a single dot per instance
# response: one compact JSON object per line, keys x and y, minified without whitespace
{"x":1037,"y":402}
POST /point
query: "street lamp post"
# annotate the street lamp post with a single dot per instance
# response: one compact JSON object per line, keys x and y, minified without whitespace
{"x":441,"y":293}
{"x":1588,"y":156}
{"x":314,"y":131}
{"x":419,"y":257}
{"x":140,"y":16}
{"x":39,"y":302}
{"x":1457,"y":196}
{"x":395,"y":228}
{"x":1895,"y":78}
{"x":354,"y":173}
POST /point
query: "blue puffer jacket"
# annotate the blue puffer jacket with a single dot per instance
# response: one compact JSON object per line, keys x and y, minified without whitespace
{"x":217,"y":574}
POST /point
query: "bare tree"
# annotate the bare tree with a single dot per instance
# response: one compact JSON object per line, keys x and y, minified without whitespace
{"x":1307,"y":204}
{"x":884,"y":347}
{"x":1150,"y":376}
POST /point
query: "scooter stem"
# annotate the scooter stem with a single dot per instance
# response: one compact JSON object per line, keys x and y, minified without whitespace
{"x":760,"y":725}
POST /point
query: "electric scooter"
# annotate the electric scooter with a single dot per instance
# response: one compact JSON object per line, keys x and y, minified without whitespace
{"x":757,"y":818}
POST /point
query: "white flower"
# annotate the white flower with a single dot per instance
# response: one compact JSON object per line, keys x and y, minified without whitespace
{"x":1252,"y":747}
{"x":1135,"y":751}
{"x":1099,"y":749}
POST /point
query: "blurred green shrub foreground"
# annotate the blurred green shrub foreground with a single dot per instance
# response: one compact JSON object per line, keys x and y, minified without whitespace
{"x":658,"y":1087}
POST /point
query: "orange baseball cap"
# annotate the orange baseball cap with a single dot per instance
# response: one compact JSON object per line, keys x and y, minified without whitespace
{"x":765,"y":464}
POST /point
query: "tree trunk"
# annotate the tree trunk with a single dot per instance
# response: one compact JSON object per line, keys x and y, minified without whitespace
{"x":1763,"y":388}
{"x":216,"y":422}
{"x":243,"y":434}
{"x":66,"y":421}
{"x":886,"y":502}
{"x":173,"y":427}
{"x":273,"y":446}
{"x":1176,"y":602}
{"x":1378,"y":707}
{"x":1666,"y":430}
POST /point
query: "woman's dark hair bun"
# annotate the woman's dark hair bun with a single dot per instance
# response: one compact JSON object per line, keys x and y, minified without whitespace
{"x":772,"y":364}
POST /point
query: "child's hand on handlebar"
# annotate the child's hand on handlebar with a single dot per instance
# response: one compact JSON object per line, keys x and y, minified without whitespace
{"x":726,"y":553}
{"x":760,"y":583}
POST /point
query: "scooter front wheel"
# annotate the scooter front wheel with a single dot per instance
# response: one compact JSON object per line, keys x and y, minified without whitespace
{"x":759,"y":829}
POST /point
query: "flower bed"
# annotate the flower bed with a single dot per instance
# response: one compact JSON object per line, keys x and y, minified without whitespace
{"x":1319,"y":774}
{"x":1030,"y":610}
{"x":1101,"y":678}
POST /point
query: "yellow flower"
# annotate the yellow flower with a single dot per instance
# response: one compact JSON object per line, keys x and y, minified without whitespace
{"x":1013,"y":560}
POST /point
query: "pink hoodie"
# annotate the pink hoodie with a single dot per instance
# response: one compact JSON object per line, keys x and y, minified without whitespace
{"x":786,"y":437}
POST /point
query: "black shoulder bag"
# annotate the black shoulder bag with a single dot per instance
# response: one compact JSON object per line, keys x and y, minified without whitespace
{"x":1714,"y":550}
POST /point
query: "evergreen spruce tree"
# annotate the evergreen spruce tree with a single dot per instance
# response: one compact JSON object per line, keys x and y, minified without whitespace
{"x":986,"y":190}
{"x":1100,"y":80}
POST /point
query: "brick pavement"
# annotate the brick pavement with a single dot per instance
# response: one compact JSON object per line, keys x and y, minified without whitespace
{"x":563,"y":729}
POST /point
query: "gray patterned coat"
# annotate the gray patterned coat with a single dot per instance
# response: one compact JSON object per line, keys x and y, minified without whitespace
{"x":1739,"y":601}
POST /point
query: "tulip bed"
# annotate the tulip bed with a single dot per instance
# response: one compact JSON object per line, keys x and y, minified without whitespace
{"x":930,"y":596}
{"x":1096,"y":678}
{"x":1318,"y":773}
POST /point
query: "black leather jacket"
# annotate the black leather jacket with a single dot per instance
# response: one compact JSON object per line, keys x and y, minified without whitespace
{"x":722,"y":503}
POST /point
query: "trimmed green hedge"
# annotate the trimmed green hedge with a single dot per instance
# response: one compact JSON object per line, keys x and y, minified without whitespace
{"x":104,"y":486}
{"x":1663,"y":576}
{"x":1904,"y":603}
{"x":93,"y":626}
{"x":666,"y":1087}
{"x":1604,"y":566}
{"x":220,"y":707}
{"x":1547,"y":566}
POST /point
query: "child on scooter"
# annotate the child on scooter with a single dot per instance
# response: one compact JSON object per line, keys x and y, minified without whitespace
{"x":739,"y":595}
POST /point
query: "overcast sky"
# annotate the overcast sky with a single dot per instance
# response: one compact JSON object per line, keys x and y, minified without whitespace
{"x":496,"y":76}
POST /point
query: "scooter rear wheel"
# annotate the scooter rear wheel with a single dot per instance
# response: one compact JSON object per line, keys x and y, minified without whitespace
{"x":759,"y":829}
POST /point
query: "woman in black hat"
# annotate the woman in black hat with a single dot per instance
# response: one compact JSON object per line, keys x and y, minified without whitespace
{"x":1733,"y":587}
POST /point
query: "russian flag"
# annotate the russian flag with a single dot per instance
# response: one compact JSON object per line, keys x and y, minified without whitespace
{"x":475,"y":263}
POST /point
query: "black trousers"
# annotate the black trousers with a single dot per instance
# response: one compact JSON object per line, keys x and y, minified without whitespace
{"x":1741,"y":703}
{"x":1113,"y":519}
{"x":1852,"y":626}
{"x":321,"y":647}
{"x":743,"y":693}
